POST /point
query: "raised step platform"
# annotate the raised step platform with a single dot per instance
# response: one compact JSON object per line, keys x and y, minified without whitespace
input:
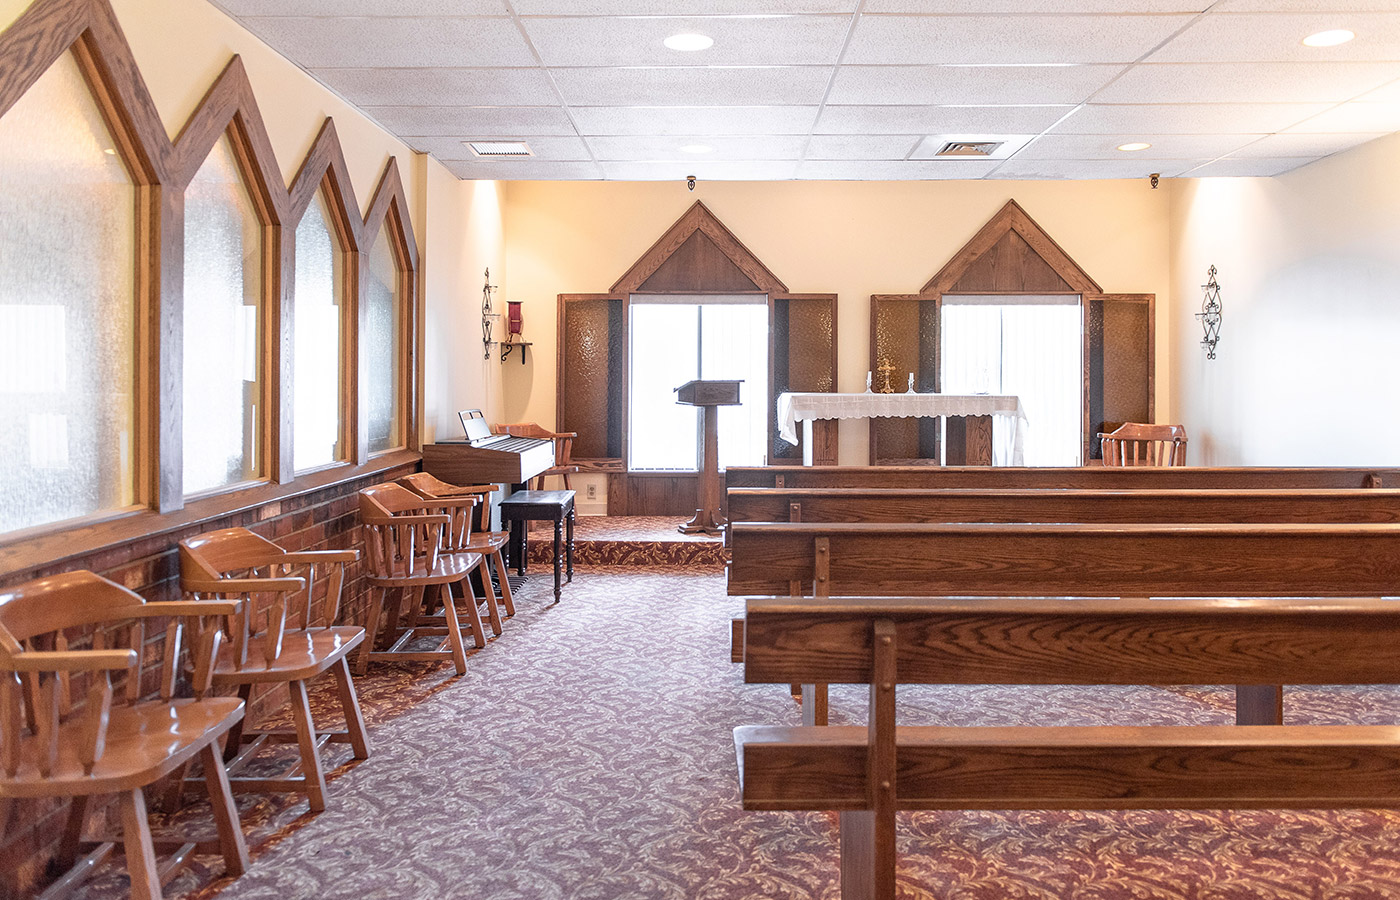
{"x":630,"y":541}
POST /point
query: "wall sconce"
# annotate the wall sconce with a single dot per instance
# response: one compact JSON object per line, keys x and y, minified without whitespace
{"x":515,"y":323}
{"x":1210,"y":314}
{"x":487,"y":315}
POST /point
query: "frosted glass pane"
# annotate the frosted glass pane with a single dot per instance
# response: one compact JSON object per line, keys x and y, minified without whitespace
{"x":67,"y":308}
{"x":665,"y":355}
{"x":317,"y":361}
{"x":382,"y":345}
{"x":223,"y":299}
{"x":734,"y":345}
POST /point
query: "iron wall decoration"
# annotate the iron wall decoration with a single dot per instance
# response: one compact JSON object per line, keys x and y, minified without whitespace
{"x":1210,"y":314}
{"x":487,"y":315}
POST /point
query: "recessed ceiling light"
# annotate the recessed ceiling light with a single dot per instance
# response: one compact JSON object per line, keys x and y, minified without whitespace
{"x":1137,"y":145}
{"x":697,"y":148}
{"x":688,"y":43}
{"x":1329,"y":38}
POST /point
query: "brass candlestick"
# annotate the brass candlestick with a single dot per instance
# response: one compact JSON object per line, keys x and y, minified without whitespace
{"x":886,"y":369}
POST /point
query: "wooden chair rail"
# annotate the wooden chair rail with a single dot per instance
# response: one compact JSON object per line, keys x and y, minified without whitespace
{"x":867,"y":773}
{"x":1341,"y":505}
{"x":1090,"y":477}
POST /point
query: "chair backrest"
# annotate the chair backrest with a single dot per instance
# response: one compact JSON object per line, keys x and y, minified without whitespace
{"x":277,"y":589}
{"x":1136,"y":444}
{"x":433,"y":488}
{"x":563,"y":440}
{"x":43,"y":663}
{"x":406,"y":533}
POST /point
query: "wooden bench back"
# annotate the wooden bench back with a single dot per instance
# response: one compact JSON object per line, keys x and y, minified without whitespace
{"x":1072,"y":505}
{"x":980,"y":559}
{"x":1089,"y":477}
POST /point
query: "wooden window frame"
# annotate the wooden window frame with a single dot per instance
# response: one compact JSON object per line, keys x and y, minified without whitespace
{"x":160,"y":170}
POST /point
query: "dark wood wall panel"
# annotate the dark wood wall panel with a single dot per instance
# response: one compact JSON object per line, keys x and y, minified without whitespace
{"x":586,"y":341}
{"x":1126,"y":346}
{"x":1010,"y":266}
{"x":653,"y":494}
{"x":897,"y":339}
{"x":698,"y":265}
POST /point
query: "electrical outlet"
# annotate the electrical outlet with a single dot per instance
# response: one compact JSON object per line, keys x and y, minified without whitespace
{"x":592,"y":492}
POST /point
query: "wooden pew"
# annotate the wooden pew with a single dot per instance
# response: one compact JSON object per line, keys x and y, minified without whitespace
{"x":1090,"y":477}
{"x":1075,"y":560}
{"x":1375,"y":505}
{"x":867,"y":773}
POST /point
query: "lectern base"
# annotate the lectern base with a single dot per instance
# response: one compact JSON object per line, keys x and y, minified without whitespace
{"x":703,"y":522}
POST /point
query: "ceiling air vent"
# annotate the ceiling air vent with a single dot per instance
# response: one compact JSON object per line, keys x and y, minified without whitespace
{"x":500,"y":148}
{"x":982,"y":149}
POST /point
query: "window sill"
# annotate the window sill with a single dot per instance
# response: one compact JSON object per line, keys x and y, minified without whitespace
{"x":61,"y":543}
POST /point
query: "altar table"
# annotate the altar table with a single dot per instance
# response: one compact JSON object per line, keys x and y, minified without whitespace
{"x":809,"y":408}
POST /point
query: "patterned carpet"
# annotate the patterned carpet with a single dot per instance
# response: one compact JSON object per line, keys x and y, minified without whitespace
{"x":630,"y":541}
{"x":587,"y":755}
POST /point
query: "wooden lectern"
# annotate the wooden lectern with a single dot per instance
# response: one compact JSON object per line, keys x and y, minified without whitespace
{"x":711,"y":395}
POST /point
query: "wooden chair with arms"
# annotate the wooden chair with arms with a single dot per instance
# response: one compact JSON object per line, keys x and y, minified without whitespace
{"x":484,"y":541}
{"x":1135,"y":444}
{"x":563,"y":450}
{"x":276,"y":639}
{"x":52,"y":747}
{"x":414,"y":544}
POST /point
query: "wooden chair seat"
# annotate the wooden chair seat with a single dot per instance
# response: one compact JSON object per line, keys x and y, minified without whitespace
{"x":305,"y":654}
{"x":479,"y":539}
{"x":449,"y":568}
{"x":145,"y":742}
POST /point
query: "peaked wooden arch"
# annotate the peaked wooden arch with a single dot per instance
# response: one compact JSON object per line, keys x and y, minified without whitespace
{"x":1011,"y":254}
{"x":325,"y":165}
{"x":698,"y":243}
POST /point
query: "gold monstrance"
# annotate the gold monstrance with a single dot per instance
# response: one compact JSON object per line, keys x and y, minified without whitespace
{"x":886,"y":369}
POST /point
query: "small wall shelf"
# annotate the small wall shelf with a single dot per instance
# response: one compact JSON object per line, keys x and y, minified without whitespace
{"x":508,"y":346}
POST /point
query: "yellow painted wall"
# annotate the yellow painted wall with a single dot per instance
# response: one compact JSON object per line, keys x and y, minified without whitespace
{"x":181,"y":46}
{"x":1308,"y":365}
{"x":852,"y":238}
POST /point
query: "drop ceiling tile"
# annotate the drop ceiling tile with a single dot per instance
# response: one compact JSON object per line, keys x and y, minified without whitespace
{"x":1170,"y":146}
{"x":739,"y":41}
{"x":882,"y":147}
{"x":938,"y":119}
{"x":1250,"y":82}
{"x":1356,"y":117}
{"x":678,"y":7}
{"x":1305,"y":6}
{"x":331,"y":8}
{"x":1057,"y":169}
{"x":1024,"y":7}
{"x":714,"y":170}
{"x":545,"y":147}
{"x":990,"y":40}
{"x":1303,"y":144}
{"x":1279,"y":38}
{"x":440,"y":87}
{"x":978,"y":85}
{"x":1187,"y":118}
{"x":697,"y":120}
{"x":1384,"y":94}
{"x":895,"y":170}
{"x":693,"y":86}
{"x":624,"y":148}
{"x":1247,"y":168}
{"x":523,"y":170}
{"x":405,"y":43}
{"x":477,"y":121}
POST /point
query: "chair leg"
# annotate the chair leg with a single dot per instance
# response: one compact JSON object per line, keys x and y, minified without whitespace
{"x":140,"y":853}
{"x":493,"y":611}
{"x":454,"y":631}
{"x":231,"y":843}
{"x":233,"y":744}
{"x":72,"y":833}
{"x":506,"y":596}
{"x":473,"y":616}
{"x":350,"y":705}
{"x":306,"y":740}
{"x":376,"y":606}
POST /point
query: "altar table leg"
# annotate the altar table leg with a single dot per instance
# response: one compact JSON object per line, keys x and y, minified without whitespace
{"x":968,"y":441}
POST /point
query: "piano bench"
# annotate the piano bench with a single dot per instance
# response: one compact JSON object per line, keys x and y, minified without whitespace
{"x":523,"y":507}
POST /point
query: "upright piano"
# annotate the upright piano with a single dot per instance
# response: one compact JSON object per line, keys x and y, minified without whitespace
{"x":485,"y":458}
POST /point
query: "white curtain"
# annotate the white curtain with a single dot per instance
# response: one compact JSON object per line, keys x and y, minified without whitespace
{"x":678,"y":339}
{"x":1030,"y":347}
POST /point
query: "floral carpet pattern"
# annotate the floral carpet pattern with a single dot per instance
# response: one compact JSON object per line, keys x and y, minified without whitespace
{"x":587,"y":755}
{"x":630,"y":541}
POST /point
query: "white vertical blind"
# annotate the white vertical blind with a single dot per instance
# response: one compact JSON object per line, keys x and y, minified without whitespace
{"x":1030,"y":347}
{"x":679,"y":339}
